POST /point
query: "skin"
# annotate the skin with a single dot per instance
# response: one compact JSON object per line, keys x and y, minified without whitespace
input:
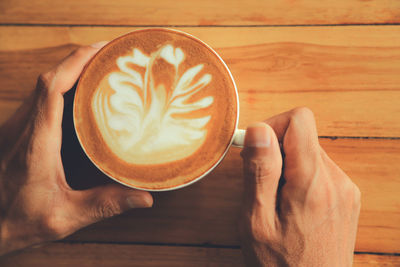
{"x":299,"y":207}
{"x":36,"y":203}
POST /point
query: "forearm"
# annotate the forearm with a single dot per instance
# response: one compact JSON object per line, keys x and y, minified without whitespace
{"x":14,"y":237}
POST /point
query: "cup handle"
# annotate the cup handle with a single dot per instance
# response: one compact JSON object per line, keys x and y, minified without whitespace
{"x":238,"y":138}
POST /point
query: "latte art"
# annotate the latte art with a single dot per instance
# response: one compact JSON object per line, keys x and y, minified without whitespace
{"x":155,"y":109}
{"x":147,"y":119}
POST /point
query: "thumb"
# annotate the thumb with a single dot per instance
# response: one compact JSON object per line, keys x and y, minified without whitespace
{"x":62,"y":77}
{"x":102,"y":202}
{"x":262,"y":162}
{"x":57,"y":81}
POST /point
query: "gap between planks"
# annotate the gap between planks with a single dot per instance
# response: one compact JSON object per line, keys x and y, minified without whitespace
{"x":192,"y":26}
{"x":192,"y":245}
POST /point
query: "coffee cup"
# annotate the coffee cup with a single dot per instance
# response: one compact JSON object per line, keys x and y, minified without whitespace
{"x":157,"y":110}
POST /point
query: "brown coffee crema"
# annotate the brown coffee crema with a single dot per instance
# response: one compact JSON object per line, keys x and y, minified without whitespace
{"x":155,"y":109}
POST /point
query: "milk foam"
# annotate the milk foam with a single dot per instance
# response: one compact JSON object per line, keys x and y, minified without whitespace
{"x":146,"y":123}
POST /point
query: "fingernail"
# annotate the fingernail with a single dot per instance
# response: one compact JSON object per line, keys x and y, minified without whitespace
{"x":99,"y":44}
{"x":257,"y":135}
{"x":138,"y":202}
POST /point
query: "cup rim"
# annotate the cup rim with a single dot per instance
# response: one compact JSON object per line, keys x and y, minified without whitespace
{"x":207,"y":171}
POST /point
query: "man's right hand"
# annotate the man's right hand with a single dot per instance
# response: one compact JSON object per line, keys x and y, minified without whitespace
{"x":302,"y":213}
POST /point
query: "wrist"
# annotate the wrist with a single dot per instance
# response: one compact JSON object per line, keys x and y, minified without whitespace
{"x":4,"y":244}
{"x":11,"y":240}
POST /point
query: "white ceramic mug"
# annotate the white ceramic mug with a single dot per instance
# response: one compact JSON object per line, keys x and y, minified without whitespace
{"x":237,"y":138}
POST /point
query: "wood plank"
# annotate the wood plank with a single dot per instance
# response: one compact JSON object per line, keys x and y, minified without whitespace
{"x":206,"y":212}
{"x":85,"y":255}
{"x":205,"y":12}
{"x":347,"y":75}
{"x":28,"y":37}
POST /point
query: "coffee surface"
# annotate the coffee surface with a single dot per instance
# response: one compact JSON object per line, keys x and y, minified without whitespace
{"x":155,"y":109}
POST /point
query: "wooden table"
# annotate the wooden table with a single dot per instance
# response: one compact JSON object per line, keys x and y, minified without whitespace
{"x":340,"y":58}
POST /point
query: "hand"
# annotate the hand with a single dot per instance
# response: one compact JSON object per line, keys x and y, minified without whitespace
{"x":302,"y":213}
{"x":36,"y":203}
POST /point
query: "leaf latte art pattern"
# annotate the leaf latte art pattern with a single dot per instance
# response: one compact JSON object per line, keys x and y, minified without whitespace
{"x":145,"y":110}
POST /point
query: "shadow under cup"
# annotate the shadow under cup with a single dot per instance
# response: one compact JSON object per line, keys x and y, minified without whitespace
{"x":156,"y":109}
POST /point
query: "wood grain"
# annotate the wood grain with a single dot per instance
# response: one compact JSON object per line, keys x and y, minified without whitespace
{"x":85,"y":255}
{"x":205,"y":12}
{"x":352,"y":85}
{"x":348,"y":75}
{"x":33,"y":37}
{"x":206,"y":212}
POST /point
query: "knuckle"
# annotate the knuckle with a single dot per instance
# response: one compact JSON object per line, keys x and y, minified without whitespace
{"x":302,"y":113}
{"x":348,"y":187}
{"x":356,"y":197}
{"x":45,"y":79}
{"x":107,"y":209}
{"x":357,"y":201}
{"x":262,"y":169}
{"x":82,"y":51}
{"x":351,"y":194}
{"x":52,"y":227}
{"x":357,"y":194}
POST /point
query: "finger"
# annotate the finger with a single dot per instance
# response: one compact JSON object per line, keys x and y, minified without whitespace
{"x":42,"y":102}
{"x":262,"y":161}
{"x":297,"y":131}
{"x":299,"y":119}
{"x":62,"y":77}
{"x":55,"y":82}
{"x":102,"y":202}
